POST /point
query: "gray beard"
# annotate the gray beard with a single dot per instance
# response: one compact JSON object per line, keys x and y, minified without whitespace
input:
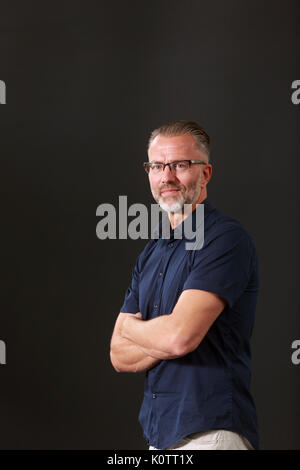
{"x":178,"y":206}
{"x":175,"y":207}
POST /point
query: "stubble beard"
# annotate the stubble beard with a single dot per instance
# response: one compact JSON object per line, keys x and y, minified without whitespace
{"x":177,"y":206}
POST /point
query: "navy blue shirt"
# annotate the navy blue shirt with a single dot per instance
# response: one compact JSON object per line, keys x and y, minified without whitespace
{"x":209,"y":388}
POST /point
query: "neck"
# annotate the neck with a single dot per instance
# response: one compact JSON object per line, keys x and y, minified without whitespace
{"x":176,"y":218}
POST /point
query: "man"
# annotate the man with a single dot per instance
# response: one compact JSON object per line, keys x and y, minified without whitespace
{"x":188,"y":315}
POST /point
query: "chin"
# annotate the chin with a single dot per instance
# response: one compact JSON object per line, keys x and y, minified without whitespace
{"x":174,"y":207}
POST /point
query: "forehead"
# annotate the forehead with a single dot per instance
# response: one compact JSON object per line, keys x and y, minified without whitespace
{"x":178,"y":146}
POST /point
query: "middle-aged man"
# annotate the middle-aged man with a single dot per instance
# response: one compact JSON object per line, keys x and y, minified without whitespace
{"x":188,"y":315}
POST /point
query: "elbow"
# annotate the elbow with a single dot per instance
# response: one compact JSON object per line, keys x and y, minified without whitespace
{"x":119,"y":366}
{"x":115,"y":363}
{"x":180,"y":346}
{"x":176,"y":347}
{"x":178,"y":350}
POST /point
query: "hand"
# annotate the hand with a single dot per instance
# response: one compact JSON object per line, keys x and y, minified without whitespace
{"x":129,"y":317}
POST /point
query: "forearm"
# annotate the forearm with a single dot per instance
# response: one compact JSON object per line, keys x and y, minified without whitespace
{"x":156,"y":337}
{"x":127,"y":357}
{"x":179,"y":333}
{"x":124,"y":354}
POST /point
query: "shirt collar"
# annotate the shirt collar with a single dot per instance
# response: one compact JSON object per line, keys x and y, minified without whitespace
{"x":158,"y":231}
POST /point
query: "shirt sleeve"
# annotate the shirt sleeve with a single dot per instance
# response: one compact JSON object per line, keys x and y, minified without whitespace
{"x":224,"y":266}
{"x":131,"y":301}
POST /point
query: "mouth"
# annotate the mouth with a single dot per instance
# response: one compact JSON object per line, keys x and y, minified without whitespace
{"x":169,"y":192}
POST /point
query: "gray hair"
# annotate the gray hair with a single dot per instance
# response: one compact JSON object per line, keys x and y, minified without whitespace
{"x":175,"y":128}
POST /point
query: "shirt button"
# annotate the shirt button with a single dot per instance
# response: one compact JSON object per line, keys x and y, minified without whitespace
{"x":160,"y":274}
{"x":171,"y":244}
{"x":155,"y":306}
{"x":153,"y":396}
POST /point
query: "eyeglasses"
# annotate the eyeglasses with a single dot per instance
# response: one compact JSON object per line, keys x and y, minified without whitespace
{"x":178,"y":167}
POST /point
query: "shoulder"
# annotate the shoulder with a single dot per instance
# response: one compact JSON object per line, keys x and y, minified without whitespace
{"x":221,"y":229}
{"x":225,"y":238}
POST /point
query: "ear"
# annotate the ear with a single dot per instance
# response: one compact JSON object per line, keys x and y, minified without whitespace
{"x":207,"y":172}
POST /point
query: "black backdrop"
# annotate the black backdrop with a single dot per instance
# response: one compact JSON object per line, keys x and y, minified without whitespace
{"x":86,"y":82}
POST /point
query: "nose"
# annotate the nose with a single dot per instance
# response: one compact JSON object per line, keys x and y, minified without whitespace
{"x":168,"y":175}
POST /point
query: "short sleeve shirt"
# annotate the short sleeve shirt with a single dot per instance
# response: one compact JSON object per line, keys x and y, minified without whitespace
{"x":208,"y":388}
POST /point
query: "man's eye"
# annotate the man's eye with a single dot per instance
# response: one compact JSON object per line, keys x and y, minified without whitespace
{"x":180,"y":165}
{"x":156,"y":167}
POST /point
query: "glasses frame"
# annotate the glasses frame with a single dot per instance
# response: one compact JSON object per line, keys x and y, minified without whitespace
{"x":170,"y":164}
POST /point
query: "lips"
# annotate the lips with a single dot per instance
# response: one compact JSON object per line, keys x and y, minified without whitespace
{"x":169,"y":191}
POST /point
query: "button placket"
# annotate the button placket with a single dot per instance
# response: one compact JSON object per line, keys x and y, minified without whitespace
{"x":160,"y":278}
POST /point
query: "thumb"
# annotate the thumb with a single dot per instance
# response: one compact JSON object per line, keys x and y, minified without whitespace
{"x":138,"y":315}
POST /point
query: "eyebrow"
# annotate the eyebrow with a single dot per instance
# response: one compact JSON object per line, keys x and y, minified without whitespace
{"x":173,"y":161}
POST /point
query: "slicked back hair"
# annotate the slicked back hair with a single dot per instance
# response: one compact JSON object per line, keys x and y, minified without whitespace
{"x":175,"y":128}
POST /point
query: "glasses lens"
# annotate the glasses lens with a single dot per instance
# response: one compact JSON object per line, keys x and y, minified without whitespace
{"x":153,"y":167}
{"x":180,"y":166}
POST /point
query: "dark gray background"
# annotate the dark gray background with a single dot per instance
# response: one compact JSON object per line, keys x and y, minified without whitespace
{"x":86,"y":84}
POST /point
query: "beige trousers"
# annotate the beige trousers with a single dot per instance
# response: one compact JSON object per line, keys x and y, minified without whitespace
{"x":212,"y":440}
